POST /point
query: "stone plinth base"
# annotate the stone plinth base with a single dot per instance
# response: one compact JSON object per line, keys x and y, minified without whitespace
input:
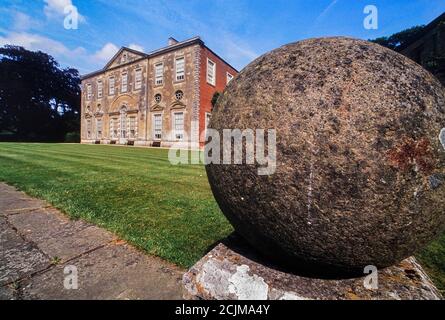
{"x":230,"y":273}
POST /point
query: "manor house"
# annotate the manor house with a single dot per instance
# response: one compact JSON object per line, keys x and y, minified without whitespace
{"x":154,"y":99}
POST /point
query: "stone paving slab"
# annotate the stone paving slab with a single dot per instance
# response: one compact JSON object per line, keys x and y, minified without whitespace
{"x":56,"y":235}
{"x":37,"y":242}
{"x":112,"y":272}
{"x":17,"y":203}
{"x":12,"y":201}
{"x":18,"y":257}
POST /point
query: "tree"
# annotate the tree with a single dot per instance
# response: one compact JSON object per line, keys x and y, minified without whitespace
{"x":38,"y":99}
{"x":399,"y":39}
{"x":430,"y":59}
{"x":215,"y":97}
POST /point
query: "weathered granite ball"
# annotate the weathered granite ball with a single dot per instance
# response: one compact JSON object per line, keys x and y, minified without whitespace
{"x":360,"y":177}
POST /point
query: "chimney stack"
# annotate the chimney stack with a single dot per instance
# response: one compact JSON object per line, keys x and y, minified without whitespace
{"x":172,"y":41}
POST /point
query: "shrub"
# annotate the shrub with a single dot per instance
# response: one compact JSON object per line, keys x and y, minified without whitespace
{"x":72,"y":137}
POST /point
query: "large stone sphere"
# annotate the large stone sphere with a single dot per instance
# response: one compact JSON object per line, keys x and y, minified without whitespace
{"x":360,"y":177}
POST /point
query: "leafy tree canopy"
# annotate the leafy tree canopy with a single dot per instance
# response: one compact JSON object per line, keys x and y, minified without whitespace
{"x":38,"y":99}
{"x":215,"y":97}
{"x":399,"y":39}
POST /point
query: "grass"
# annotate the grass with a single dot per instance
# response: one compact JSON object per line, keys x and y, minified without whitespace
{"x":433,"y":260}
{"x":166,"y":210}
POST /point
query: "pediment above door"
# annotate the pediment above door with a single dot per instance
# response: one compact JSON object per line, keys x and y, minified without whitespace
{"x":156,"y":107}
{"x":124,"y":56}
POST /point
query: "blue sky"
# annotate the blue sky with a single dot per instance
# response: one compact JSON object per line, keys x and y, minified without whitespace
{"x":238,"y":30}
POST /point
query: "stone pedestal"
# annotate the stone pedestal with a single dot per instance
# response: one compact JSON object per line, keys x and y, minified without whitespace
{"x":232,"y":271}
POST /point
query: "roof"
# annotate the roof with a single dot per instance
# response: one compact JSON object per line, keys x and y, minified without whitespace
{"x":152,"y":54}
{"x":176,"y":46}
{"x":425,"y":31}
{"x":139,"y":53}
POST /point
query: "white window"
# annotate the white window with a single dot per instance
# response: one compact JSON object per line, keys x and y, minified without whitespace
{"x":211,"y":72}
{"x":89,"y":91}
{"x":157,"y":126}
{"x":132,"y":127}
{"x":89,"y":128}
{"x":99,"y":128}
{"x":100,"y":89}
{"x":178,"y":125}
{"x":124,"y":82}
{"x":180,"y":69}
{"x":123,"y":124}
{"x":229,"y":77}
{"x":159,"y":74}
{"x":114,"y":128}
{"x":138,"y":79}
{"x":111,"y":85}
{"x":208,"y":117}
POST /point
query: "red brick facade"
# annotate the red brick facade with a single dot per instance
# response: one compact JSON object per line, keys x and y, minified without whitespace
{"x":207,"y":90}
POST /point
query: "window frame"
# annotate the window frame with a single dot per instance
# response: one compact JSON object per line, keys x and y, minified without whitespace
{"x":114,"y":125}
{"x":155,"y":129}
{"x":124,"y":75}
{"x":89,"y":91}
{"x":89,"y":126}
{"x":175,"y":130}
{"x":213,"y":83}
{"x":138,"y":82}
{"x":111,"y":80}
{"x":229,"y":75}
{"x":132,"y":126}
{"x":179,"y":92}
{"x":123,"y":134}
{"x":99,"y":120}
{"x":183,"y":69}
{"x":161,"y":76}
{"x":100,"y":89}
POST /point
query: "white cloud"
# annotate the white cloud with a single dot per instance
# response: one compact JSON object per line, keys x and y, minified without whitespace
{"x":56,"y":6}
{"x":36,"y":42}
{"x":136,"y":47}
{"x":56,"y":9}
{"x":67,"y":56}
{"x":107,"y":52}
{"x":22,"y":22}
{"x":110,"y":49}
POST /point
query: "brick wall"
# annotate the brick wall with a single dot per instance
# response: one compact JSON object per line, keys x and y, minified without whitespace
{"x":207,"y":90}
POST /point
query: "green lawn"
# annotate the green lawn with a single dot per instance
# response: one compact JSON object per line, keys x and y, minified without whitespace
{"x":433,"y":260}
{"x":166,"y":210}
